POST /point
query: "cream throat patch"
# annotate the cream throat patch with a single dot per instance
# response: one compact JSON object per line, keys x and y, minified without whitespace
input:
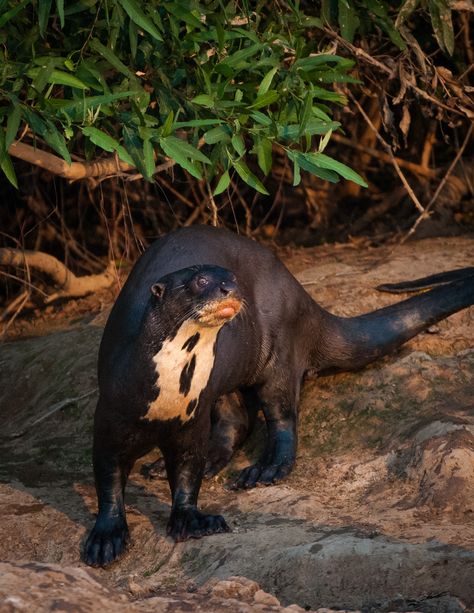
{"x":183,"y":367}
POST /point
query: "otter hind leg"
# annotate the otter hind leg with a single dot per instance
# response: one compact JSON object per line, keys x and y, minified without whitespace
{"x":233,"y":418}
{"x":279,"y":397}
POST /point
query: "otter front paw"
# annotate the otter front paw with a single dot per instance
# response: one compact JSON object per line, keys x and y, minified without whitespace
{"x":265,"y":474}
{"x":106,"y":542}
{"x":186,"y":523}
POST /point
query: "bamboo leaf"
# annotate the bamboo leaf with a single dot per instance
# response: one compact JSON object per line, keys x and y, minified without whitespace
{"x":204,"y":100}
{"x":238,"y":144}
{"x":246,"y":175}
{"x":305,"y":163}
{"x":6,"y":162}
{"x":60,"y":9}
{"x":13,"y":123}
{"x":56,"y":140}
{"x":149,"y":157}
{"x":348,"y":19}
{"x":306,"y":112}
{"x":264,"y":154}
{"x":5,"y":18}
{"x":57,"y":77}
{"x":110,"y":56}
{"x":324,"y":161}
{"x":222,"y":184}
{"x":187,"y":149}
{"x":266,"y":81}
{"x":44,"y":9}
{"x":136,"y":14}
{"x":265,"y":99}
{"x":134,"y":146}
{"x":217,"y":135}
{"x":176,"y":153}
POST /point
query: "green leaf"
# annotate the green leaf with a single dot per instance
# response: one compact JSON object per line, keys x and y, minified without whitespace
{"x":264,"y":154}
{"x":107,"y":143}
{"x":196,"y":123}
{"x":12,"y":12}
{"x":238,"y":59}
{"x":101,"y":139}
{"x":60,"y":9}
{"x":261,"y":118}
{"x":13,"y":123}
{"x":306,"y":112}
{"x":296,"y":173}
{"x":188,"y":150}
{"x":136,"y":14}
{"x":58,"y":77}
{"x":217,"y":135}
{"x":175,"y":152}
{"x":56,"y":140}
{"x":134,"y":147}
{"x":223,"y":183}
{"x":91,"y":102}
{"x":324,"y":161}
{"x":149,"y":157}
{"x":44,"y":9}
{"x":348,"y":19}
{"x":246,"y":175}
{"x":303,"y":161}
{"x":204,"y":100}
{"x":266,"y":81}
{"x":314,"y":126}
{"x":110,"y":56}
{"x":6,"y":162}
{"x":168,"y":125}
{"x":310,"y":63}
{"x":238,"y":144}
{"x":265,"y":99}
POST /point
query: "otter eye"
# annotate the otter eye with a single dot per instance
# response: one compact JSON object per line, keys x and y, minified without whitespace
{"x":202,"y":281}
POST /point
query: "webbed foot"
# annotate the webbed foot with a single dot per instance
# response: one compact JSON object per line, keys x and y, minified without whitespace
{"x":106,"y":541}
{"x":186,"y":523}
{"x":262,"y":474}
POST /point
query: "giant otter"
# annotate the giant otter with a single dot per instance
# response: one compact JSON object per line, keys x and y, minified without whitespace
{"x":203,"y":314}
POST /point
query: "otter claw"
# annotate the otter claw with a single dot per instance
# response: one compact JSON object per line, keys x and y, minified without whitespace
{"x":261,"y":474}
{"x":190,"y":523}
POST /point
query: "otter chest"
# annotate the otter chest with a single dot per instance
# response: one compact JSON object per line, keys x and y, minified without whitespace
{"x":183,"y":367}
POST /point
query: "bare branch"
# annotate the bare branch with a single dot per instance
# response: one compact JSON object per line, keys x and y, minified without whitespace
{"x":70,"y":285}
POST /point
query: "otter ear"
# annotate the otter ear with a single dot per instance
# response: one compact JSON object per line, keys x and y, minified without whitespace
{"x":157,"y":289}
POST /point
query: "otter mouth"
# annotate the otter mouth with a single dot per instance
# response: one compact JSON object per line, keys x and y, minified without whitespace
{"x":218,"y":312}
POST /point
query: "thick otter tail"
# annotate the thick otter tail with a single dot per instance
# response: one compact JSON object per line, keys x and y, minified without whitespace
{"x":351,"y":343}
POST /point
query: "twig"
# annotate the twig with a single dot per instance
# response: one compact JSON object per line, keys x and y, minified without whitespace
{"x":71,"y":286}
{"x":395,"y":164}
{"x":54,"y":409}
{"x":442,"y":183}
{"x":411,"y":166}
{"x":358,"y":52}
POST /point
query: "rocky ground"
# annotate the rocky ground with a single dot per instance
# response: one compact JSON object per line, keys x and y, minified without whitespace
{"x":377,"y":516}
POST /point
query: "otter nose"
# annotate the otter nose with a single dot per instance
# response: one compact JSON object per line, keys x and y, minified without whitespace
{"x":227,"y":287}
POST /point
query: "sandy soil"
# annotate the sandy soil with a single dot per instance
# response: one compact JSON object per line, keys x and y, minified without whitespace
{"x":377,"y":516}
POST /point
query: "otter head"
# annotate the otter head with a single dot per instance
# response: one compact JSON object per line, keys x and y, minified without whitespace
{"x":209,"y":295}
